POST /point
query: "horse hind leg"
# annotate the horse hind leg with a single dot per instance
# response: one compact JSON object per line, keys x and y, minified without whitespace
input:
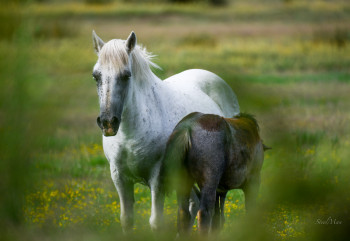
{"x":194,"y":203}
{"x":206,"y":209}
{"x":184,"y":223}
{"x":216,"y":217}
{"x":219,"y":215}
{"x":222,"y":209}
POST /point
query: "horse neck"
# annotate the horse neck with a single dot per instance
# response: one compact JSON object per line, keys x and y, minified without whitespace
{"x":143,"y":104}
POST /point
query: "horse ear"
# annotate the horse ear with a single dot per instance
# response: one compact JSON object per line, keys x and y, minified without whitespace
{"x":97,"y":42}
{"x":131,"y":42}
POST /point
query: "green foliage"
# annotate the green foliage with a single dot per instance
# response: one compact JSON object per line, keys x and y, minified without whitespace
{"x":287,"y":65}
{"x":195,"y":40}
{"x":23,"y":124}
{"x":183,"y":1}
{"x":54,"y":29}
{"x":212,"y":2}
{"x":9,"y":23}
{"x":306,"y":138}
{"x":97,"y":1}
{"x":218,"y":2}
{"x":338,"y":37}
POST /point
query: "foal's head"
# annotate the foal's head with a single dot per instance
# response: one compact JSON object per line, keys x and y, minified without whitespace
{"x":112,"y":74}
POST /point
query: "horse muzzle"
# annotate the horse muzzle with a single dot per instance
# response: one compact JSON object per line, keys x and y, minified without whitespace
{"x":109,"y":127}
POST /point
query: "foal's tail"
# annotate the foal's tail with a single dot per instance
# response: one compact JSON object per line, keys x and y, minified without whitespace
{"x":173,"y":158}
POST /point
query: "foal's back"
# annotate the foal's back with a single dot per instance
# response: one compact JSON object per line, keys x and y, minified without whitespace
{"x":224,"y":152}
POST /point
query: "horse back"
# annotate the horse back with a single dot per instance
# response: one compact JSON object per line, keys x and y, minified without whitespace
{"x":211,"y":85}
{"x":224,"y":151}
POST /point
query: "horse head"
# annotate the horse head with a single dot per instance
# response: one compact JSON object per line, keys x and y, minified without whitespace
{"x":112,"y":73}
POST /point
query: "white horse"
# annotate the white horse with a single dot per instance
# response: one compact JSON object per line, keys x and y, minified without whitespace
{"x":138,"y":112}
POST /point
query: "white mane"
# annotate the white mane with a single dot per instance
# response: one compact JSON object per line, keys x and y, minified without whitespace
{"x":114,"y":55}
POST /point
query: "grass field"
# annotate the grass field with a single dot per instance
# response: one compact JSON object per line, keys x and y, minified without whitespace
{"x":287,"y":61}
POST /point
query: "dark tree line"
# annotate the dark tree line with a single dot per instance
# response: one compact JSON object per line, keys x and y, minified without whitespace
{"x":212,"y":2}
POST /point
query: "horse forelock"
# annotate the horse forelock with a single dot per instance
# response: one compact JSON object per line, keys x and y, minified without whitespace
{"x":114,"y":55}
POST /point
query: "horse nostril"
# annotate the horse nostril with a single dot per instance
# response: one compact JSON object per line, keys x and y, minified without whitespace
{"x":115,"y":122}
{"x":114,"y":119}
{"x":108,"y":126}
{"x":105,"y":123}
{"x":99,"y":122}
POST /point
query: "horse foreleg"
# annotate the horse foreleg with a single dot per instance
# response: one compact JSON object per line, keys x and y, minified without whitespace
{"x":156,"y":218}
{"x":125,"y":190}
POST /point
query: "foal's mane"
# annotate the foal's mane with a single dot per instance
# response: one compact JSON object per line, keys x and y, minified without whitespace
{"x":248,"y":117}
{"x":114,"y":55}
{"x":247,"y":128}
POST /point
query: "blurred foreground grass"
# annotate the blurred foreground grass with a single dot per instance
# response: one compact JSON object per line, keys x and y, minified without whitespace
{"x":287,"y":62}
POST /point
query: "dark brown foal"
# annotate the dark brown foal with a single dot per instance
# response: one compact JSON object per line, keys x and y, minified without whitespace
{"x":219,"y":154}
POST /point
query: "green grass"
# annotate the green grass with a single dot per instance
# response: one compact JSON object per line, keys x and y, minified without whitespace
{"x":287,"y":62}
{"x":297,"y":11}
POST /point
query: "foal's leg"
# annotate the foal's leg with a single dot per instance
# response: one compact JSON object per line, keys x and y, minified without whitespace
{"x":222,"y":209}
{"x":194,"y":204}
{"x":219,"y":215}
{"x":206,"y":209}
{"x":216,"y":218}
{"x":125,"y":190}
{"x":183,"y":193}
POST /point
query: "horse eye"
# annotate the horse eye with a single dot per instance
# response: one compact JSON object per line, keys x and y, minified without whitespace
{"x":125,"y":76}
